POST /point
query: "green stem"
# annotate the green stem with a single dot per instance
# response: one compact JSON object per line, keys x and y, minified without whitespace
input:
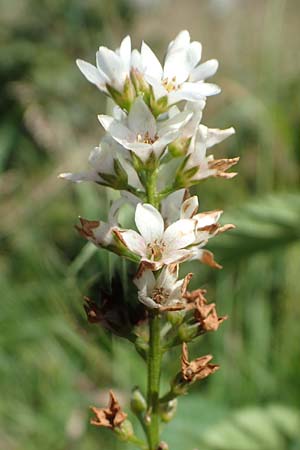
{"x":154,"y":353}
{"x":151,"y":187}
{"x":154,"y":364}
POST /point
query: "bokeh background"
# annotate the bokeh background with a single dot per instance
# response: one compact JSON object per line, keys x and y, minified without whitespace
{"x":53,"y":364}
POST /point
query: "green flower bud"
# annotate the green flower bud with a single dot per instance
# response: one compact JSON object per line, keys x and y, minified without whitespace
{"x":140,"y":84}
{"x":175,"y":317}
{"x":187,"y":332}
{"x":123,"y":99}
{"x":179,"y":147}
{"x":168,"y":410}
{"x":124,"y":431}
{"x":138,"y":403}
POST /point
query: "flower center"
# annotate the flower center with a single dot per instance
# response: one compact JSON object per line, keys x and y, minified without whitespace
{"x":146,"y":139}
{"x":170,"y":85}
{"x":160,"y":295}
{"x":155,"y":250}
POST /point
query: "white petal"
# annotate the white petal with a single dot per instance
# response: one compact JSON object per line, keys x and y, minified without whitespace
{"x":175,"y":122}
{"x":182,"y":40}
{"x":145,"y":281}
{"x":125,"y":51}
{"x":117,"y":130}
{"x":150,"y":62}
{"x":177,"y":66}
{"x":170,"y":206}
{"x":133,"y":241}
{"x":111,"y":64}
{"x":180,"y":234}
{"x":149,"y":222}
{"x":80,"y":176}
{"x":102,"y":235}
{"x":208,"y":218}
{"x":181,"y":60}
{"x":91,"y":73}
{"x":205,"y":70}
{"x":136,"y":61}
{"x":189,"y":207}
{"x":143,"y":151}
{"x":102,"y":160}
{"x":194,"y":54}
{"x":147,"y":301}
{"x":198,"y":90}
{"x":140,"y":119}
{"x":160,"y":145}
{"x":158,"y":89}
{"x":167,"y":277}
{"x":177,"y":256}
{"x":214,"y":135}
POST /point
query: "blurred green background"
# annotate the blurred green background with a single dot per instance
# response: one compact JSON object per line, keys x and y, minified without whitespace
{"x":53,"y":364}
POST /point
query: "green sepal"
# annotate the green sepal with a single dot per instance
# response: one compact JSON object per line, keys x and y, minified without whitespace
{"x":158,"y":106}
{"x":138,"y":402}
{"x":179,"y":147}
{"x":123,"y":99}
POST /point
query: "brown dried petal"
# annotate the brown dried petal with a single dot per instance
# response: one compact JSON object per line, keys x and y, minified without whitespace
{"x":208,"y":259}
{"x":110,"y":417}
{"x":221,"y":165}
{"x":86,"y":227}
{"x":198,"y":369}
{"x":206,"y":314}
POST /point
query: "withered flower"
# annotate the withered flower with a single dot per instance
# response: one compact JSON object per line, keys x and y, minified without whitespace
{"x":198,"y":369}
{"x":206,"y":314}
{"x":111,"y":417}
{"x":113,"y":312}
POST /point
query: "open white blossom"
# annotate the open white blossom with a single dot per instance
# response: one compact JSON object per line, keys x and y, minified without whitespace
{"x":175,"y":208}
{"x":112,"y":67}
{"x":205,"y":165}
{"x":101,"y":233}
{"x":164,"y":292}
{"x":103,"y":160}
{"x":156,"y":245}
{"x":141,"y":133}
{"x":181,"y":77}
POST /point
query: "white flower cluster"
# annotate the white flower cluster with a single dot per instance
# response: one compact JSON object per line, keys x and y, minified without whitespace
{"x":154,"y":149}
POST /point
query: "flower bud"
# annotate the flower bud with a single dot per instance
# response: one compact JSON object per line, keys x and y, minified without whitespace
{"x":163,"y":446}
{"x":140,"y":84}
{"x":179,"y":385}
{"x":187,"y":332}
{"x":168,"y":410}
{"x":158,"y":106}
{"x":179,"y":147}
{"x":175,"y":317}
{"x":138,"y":403}
{"x":124,"y":431}
{"x":123,"y":99}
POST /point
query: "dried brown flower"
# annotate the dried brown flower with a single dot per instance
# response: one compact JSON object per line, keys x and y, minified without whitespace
{"x":111,"y":417}
{"x":206,"y":314}
{"x":85,"y":229}
{"x":198,"y":369}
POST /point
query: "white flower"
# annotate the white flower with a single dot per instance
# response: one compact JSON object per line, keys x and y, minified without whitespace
{"x":141,"y":133}
{"x":112,"y":67}
{"x":103,"y":161}
{"x":207,"y":225}
{"x":101,"y":233}
{"x":181,"y":78}
{"x":156,"y":245}
{"x":206,"y":166}
{"x":164,"y":292}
